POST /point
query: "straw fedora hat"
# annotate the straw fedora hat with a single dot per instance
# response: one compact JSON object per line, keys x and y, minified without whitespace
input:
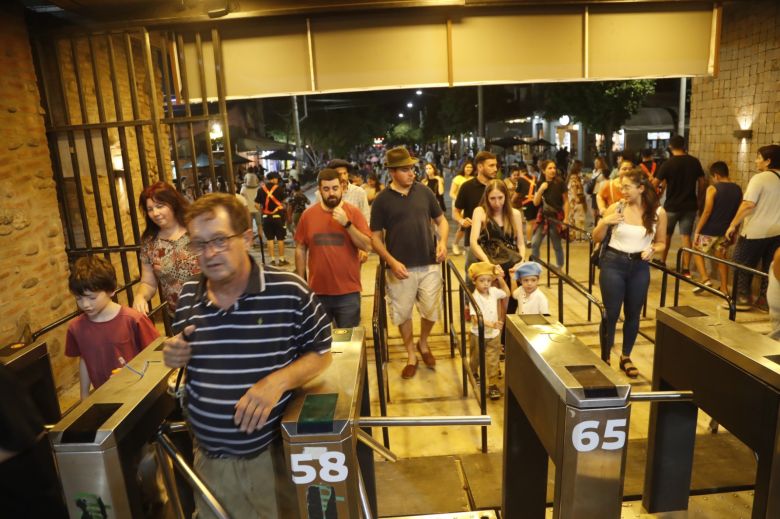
{"x":399,"y":157}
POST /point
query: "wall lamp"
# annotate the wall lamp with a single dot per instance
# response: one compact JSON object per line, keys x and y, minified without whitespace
{"x":743,"y":134}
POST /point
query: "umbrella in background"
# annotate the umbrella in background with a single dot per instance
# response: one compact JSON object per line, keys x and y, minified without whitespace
{"x":508,"y":142}
{"x":202,"y":161}
{"x":541,"y":142}
{"x":279,"y":155}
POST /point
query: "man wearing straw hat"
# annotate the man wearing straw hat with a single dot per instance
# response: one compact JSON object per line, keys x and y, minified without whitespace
{"x":402,"y":236}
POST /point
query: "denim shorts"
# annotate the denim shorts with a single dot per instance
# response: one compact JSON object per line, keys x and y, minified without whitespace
{"x":685,"y":219}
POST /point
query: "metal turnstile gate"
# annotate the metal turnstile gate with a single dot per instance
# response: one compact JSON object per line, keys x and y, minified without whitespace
{"x":735,"y":377}
{"x":31,"y":364}
{"x":327,"y":463}
{"x":98,"y":444}
{"x":562,"y":402}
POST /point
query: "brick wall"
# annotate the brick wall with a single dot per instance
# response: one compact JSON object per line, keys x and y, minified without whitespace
{"x":33,"y":264}
{"x":744,"y":94}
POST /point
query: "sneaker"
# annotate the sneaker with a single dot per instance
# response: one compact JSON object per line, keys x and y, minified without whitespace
{"x":456,"y":250}
{"x":761,"y":304}
{"x":743,"y":304}
{"x":686,"y":273}
{"x":699,"y":290}
{"x":273,"y":262}
{"x":494,"y":393}
{"x":283,"y":262}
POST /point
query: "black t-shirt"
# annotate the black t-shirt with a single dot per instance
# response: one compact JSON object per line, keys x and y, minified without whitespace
{"x":470,"y":194}
{"x":406,"y":220}
{"x":681,"y":173}
{"x":553,"y":195}
{"x":523,"y":187}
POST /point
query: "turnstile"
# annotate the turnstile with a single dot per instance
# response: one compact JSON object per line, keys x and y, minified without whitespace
{"x":98,"y":444}
{"x":31,"y":364}
{"x":735,"y":377}
{"x":327,"y":463}
{"x":564,"y":403}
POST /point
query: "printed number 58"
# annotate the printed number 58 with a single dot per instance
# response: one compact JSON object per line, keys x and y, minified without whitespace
{"x":585,"y":436}
{"x":332,"y":467}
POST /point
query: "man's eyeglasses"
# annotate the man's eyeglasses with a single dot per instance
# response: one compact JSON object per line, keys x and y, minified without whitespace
{"x":218,"y":244}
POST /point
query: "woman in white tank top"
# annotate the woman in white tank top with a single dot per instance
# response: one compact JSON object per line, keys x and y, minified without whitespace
{"x":638,"y":231}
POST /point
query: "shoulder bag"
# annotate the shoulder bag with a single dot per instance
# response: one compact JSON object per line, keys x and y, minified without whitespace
{"x":499,"y":251}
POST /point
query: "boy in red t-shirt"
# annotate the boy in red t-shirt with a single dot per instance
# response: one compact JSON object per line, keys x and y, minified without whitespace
{"x":107,"y":335}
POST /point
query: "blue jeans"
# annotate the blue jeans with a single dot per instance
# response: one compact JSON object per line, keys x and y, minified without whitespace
{"x":623,"y":282}
{"x":536,"y":241}
{"x":344,"y":310}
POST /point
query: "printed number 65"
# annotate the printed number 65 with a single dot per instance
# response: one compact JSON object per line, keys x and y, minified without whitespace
{"x":585,"y":436}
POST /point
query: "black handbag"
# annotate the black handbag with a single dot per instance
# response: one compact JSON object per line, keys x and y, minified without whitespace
{"x":598,"y":251}
{"x":499,"y":251}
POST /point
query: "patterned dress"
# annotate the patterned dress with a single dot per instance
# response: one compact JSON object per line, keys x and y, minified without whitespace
{"x":173,"y":263}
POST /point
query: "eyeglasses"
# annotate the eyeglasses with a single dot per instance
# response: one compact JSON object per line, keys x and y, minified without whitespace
{"x":218,"y":244}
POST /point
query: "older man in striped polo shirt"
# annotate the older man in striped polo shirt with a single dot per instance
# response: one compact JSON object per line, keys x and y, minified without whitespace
{"x":250,"y":335}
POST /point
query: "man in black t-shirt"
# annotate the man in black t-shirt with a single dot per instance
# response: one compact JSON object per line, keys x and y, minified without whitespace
{"x":401,"y":234}
{"x":270,"y":200}
{"x":471,"y":193}
{"x":685,"y":185}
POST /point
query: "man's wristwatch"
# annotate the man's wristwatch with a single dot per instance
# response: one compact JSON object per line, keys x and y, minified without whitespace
{"x":348,"y":224}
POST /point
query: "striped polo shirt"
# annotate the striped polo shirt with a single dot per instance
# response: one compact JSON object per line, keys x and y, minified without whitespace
{"x":275,"y":321}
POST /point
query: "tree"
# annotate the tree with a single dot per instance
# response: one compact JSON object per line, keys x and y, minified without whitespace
{"x":601,"y":106}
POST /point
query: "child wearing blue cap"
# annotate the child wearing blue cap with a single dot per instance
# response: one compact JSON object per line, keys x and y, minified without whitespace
{"x":530,"y":300}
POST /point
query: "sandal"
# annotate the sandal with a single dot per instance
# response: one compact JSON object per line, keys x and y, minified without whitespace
{"x":628,"y":367}
{"x":428,"y":358}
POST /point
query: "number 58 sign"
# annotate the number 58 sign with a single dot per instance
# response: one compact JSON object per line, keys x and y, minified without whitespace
{"x":585,"y":435}
{"x":331,"y":464}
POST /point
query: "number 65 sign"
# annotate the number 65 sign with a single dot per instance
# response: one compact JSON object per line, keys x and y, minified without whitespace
{"x":585,"y":435}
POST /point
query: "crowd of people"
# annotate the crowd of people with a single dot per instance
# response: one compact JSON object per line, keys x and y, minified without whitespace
{"x":247,"y":334}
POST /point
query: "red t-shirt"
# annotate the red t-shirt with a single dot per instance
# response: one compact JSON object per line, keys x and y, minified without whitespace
{"x":333,"y":263}
{"x":101,"y":344}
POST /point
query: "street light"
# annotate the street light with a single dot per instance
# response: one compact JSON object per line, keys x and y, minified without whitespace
{"x":409,"y":104}
{"x":419,"y":92}
{"x":400,"y":115}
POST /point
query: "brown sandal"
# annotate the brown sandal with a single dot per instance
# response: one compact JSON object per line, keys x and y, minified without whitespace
{"x":427,"y":357}
{"x":628,"y":367}
{"x":409,"y":370}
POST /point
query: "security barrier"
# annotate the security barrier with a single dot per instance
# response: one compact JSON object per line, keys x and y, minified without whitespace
{"x":31,"y":364}
{"x":735,"y":376}
{"x":333,"y":473}
{"x":562,"y":402}
{"x":99,"y":444}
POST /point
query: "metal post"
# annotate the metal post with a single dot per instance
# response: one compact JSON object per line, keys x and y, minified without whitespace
{"x":591,"y":275}
{"x":480,"y":112}
{"x":560,"y":300}
{"x":681,"y":107}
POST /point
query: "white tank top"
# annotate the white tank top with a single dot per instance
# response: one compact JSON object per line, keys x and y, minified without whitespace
{"x":631,"y":238}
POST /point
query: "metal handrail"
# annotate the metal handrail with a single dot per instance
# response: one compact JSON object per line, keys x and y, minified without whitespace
{"x":565,"y":278}
{"x":379,"y":325}
{"x":591,"y":268}
{"x":678,"y":275}
{"x":190,"y":475}
{"x":464,"y":293}
{"x":736,"y":266}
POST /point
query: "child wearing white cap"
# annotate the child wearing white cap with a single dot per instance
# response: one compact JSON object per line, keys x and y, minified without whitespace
{"x":488,"y":298}
{"x":530,"y":300}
